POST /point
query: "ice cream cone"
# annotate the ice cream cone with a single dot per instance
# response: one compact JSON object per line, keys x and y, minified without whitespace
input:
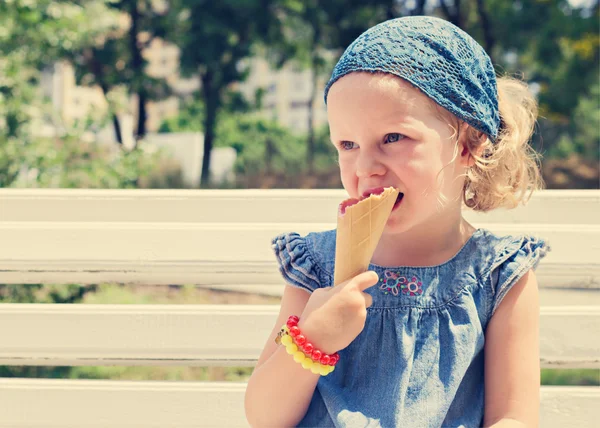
{"x":358,"y":232}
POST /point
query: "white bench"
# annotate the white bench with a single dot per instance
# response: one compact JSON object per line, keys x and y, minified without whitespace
{"x":221,"y":239}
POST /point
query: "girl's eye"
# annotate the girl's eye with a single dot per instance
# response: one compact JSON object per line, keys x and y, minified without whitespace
{"x":393,"y":137}
{"x":346,"y":145}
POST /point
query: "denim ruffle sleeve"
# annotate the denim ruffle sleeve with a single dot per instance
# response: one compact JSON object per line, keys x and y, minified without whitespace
{"x":295,"y":261}
{"x":515,"y":258}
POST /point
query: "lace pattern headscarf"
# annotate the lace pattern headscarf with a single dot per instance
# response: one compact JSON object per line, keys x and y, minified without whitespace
{"x":437,"y":57}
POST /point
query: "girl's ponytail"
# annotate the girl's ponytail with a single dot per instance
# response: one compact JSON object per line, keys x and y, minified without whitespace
{"x":506,"y":172}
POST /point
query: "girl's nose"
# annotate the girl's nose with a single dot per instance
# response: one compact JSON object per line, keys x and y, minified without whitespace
{"x":368,"y":165}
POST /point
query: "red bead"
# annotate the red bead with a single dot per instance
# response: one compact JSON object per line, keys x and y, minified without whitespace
{"x":335,"y":358}
{"x":325,"y":360}
{"x":291,"y":323}
{"x":316,"y":355}
{"x":294,"y":331}
{"x":300,"y":339}
{"x":308,"y":348}
{"x":295,"y":318}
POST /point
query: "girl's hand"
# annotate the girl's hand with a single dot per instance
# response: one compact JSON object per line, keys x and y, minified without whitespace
{"x":334,"y":316}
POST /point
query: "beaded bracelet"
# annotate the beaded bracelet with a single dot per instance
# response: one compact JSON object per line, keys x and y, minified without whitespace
{"x":303,"y":351}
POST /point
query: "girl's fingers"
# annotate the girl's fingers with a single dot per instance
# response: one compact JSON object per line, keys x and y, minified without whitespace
{"x":366,"y":280}
{"x":368,"y":299}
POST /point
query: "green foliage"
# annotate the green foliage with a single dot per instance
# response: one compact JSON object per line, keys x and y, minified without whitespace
{"x":583,"y":135}
{"x":116,"y":59}
{"x":189,"y":118}
{"x":262,"y":146}
{"x":549,"y":377}
{"x":43,"y":30}
{"x":40,"y":293}
{"x":326,"y":156}
{"x":35,"y":372}
{"x":19,"y":293}
{"x":555,"y":45}
{"x":589,"y":377}
{"x":70,"y":162}
{"x":231,"y":374}
{"x":230,"y":31}
{"x":32,"y":35}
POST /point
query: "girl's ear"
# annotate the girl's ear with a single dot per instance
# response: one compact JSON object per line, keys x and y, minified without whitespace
{"x":470,"y":143}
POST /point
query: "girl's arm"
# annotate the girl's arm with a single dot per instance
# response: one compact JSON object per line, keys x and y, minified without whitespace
{"x":279,"y":390}
{"x":512,"y":359}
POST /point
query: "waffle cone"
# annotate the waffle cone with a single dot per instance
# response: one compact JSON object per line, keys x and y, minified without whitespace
{"x":359,"y":231}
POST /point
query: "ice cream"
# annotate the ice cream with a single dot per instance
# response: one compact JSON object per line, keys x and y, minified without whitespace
{"x":360,"y":224}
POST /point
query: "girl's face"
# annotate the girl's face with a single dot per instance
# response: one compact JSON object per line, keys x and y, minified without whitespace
{"x":388,"y":133}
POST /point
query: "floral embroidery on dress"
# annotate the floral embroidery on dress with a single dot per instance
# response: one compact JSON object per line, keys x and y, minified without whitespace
{"x":394,"y":283}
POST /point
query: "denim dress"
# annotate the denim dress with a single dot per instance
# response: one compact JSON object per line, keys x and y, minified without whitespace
{"x":419,"y":361}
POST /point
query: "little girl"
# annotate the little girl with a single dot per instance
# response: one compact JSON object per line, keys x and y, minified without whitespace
{"x":442,"y":330}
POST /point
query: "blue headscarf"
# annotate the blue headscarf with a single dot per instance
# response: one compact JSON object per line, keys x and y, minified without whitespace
{"x":437,"y":57}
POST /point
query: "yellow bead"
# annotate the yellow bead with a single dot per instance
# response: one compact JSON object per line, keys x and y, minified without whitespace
{"x":293,"y":347}
{"x":286,"y":340}
{"x":299,"y":356}
{"x":316,"y":369}
{"x":324,"y":370}
{"x":307,"y":363}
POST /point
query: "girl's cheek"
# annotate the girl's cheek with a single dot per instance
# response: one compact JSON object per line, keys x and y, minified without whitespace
{"x":349,"y":180}
{"x":413,"y":167}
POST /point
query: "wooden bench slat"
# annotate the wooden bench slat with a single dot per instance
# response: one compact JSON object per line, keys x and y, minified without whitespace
{"x":49,"y":403}
{"x":62,"y":403}
{"x":214,"y":253}
{"x":242,"y":276}
{"x":257,"y":205}
{"x":210,"y":335}
{"x":220,"y":242}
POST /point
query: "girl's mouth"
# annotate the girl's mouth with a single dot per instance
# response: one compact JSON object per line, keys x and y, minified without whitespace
{"x":352,"y":201}
{"x":398,"y":201}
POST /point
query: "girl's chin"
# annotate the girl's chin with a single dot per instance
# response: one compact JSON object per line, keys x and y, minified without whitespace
{"x":395,"y":224}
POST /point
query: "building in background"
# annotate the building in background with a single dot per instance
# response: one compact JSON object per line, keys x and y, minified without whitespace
{"x":285,"y":101}
{"x":72,"y":101}
{"x":287,"y":93}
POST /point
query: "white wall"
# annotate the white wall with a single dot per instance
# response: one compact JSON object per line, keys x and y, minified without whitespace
{"x":188,"y":149}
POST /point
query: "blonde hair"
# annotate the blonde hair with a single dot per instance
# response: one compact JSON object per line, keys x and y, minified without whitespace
{"x":505,"y":172}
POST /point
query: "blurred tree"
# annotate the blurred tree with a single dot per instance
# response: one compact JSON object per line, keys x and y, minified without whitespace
{"x":189,"y":118}
{"x":33,"y":35}
{"x":320,"y":29}
{"x":583,"y":133}
{"x":73,"y":161}
{"x":117,"y":59}
{"x":553,"y":44}
{"x":215,"y":38}
{"x":261,"y":145}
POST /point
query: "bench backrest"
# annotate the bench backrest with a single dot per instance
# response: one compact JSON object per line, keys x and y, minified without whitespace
{"x":221,"y":239}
